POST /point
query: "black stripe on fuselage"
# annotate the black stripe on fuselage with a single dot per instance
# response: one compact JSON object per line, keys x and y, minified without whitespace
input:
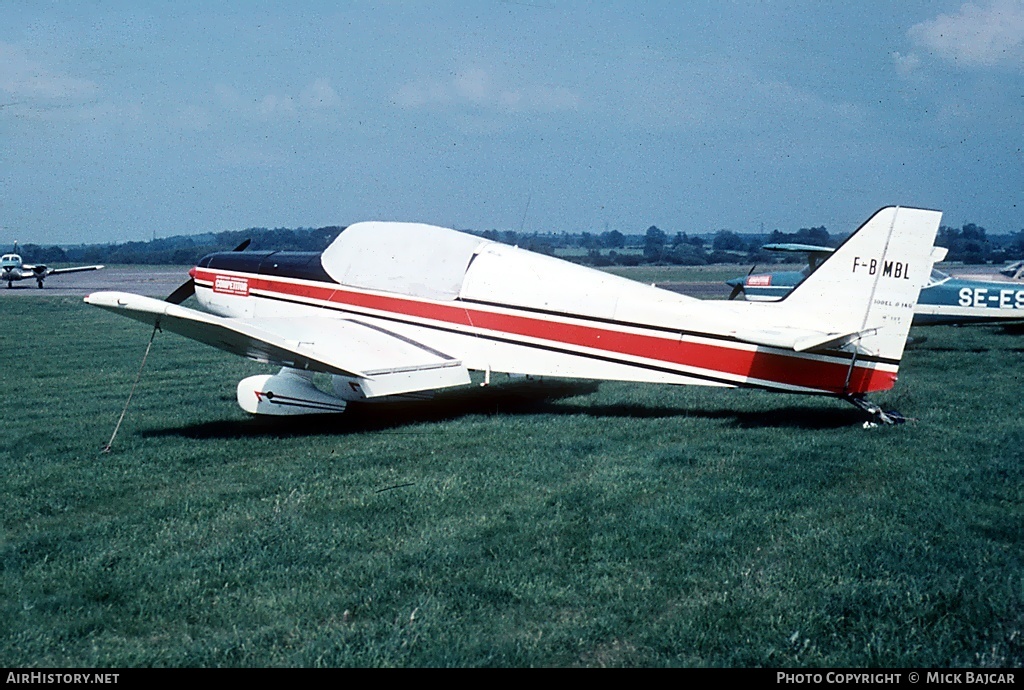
{"x":296,"y":265}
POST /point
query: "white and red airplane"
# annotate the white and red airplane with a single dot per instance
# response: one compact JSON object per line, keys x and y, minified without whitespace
{"x":390,"y":309}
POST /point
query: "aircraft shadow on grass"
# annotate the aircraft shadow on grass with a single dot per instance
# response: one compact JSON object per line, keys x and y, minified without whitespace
{"x":526,"y":398}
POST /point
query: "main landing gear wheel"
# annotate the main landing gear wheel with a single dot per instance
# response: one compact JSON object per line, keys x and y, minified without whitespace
{"x":877,"y":414}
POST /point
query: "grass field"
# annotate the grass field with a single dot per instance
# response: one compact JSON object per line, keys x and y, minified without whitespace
{"x":558,"y":525}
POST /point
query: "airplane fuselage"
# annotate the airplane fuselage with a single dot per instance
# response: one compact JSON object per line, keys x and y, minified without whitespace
{"x":396,"y":309}
{"x":12,"y":268}
{"x":499,"y":316}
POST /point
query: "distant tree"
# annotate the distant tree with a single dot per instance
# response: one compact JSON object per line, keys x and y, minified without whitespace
{"x":727,"y":240}
{"x":613,"y":240}
{"x":968,"y":243}
{"x":687,"y":254}
{"x":35,"y":254}
{"x":818,"y":236}
{"x":595,"y":258}
{"x":970,"y":231}
{"x":536,"y":243}
{"x":1016,"y":246}
{"x":654,"y":243}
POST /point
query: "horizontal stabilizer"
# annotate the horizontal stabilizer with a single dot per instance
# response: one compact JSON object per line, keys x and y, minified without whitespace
{"x":384,"y":362}
{"x":798,"y":248}
{"x":830,"y":341}
{"x":799,"y":340}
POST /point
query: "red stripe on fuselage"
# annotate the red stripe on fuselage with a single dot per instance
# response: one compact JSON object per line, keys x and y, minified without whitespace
{"x":757,"y":364}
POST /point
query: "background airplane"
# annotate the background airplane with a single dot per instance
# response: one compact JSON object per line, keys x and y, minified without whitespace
{"x":12,"y":268}
{"x":390,"y":309}
{"x":1014,"y":270}
{"x":944,"y":299}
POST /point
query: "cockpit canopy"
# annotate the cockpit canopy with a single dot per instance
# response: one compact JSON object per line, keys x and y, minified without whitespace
{"x":10,"y":261}
{"x":937,"y":278}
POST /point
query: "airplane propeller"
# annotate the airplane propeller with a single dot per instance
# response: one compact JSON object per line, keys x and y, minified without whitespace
{"x":188,"y":288}
{"x":737,"y":289}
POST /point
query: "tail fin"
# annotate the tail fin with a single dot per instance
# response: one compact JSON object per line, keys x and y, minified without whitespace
{"x":870,"y":284}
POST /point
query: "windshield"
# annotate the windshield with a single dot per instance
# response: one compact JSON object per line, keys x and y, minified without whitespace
{"x":936,"y":278}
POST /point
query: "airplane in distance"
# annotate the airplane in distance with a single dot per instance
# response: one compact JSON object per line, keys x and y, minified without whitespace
{"x":1014,"y":270}
{"x":12,"y":268}
{"x":390,"y":309}
{"x":944,"y":299}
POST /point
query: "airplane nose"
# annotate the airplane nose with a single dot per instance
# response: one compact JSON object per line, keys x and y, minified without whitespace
{"x":192,"y":272}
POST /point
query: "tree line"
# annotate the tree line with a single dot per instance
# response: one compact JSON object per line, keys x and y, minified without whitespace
{"x":970,"y":244}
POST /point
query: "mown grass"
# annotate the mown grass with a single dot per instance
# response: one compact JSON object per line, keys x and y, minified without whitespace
{"x":556,"y":525}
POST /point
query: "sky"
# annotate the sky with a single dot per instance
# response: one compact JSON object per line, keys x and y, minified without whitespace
{"x":125,"y":121}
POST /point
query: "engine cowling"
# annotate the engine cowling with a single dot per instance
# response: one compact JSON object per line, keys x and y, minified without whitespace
{"x":286,"y":393}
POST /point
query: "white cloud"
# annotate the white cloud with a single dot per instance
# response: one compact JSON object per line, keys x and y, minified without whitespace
{"x":905,"y":64}
{"x":975,"y":36}
{"x":23,"y":78}
{"x":478,"y":87}
{"x":273,"y":106}
{"x":318,"y":97}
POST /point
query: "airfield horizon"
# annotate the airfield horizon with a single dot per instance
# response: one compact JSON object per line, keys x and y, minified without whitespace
{"x":703,"y":282}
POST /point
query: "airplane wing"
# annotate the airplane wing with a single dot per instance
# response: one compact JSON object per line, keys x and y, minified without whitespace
{"x":799,"y":248}
{"x":386,"y":363}
{"x":73,"y":269}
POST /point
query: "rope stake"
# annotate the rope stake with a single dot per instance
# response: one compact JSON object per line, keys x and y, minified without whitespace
{"x":106,"y":448}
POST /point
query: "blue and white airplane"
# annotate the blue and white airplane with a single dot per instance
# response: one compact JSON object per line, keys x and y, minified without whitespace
{"x":12,"y":268}
{"x":944,"y":299}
